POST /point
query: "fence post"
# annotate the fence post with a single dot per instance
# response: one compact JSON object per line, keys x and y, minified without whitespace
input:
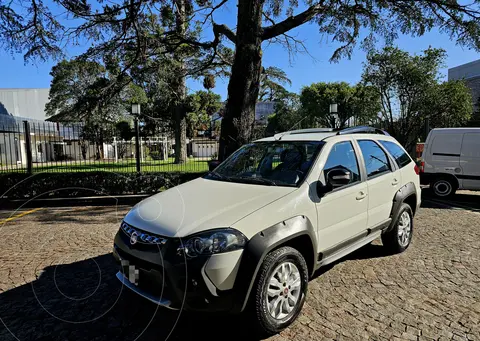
{"x":137,"y":144}
{"x":28,"y":146}
{"x":115,"y":150}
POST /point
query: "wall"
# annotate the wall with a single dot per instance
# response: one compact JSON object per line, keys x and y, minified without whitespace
{"x":28,"y":103}
{"x":469,"y":72}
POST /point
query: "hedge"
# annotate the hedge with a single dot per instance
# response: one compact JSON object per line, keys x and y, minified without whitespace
{"x":86,"y":184}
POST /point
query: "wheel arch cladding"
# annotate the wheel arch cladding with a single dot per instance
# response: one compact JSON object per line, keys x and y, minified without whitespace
{"x":406,"y":194}
{"x":297,"y":232}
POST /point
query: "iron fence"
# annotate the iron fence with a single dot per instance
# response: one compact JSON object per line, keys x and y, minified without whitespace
{"x":38,"y":146}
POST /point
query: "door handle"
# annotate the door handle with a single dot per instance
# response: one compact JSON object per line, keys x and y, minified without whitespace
{"x":394,"y":182}
{"x":361,"y":195}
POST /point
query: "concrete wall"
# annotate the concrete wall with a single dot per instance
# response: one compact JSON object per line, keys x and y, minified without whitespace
{"x":28,"y":103}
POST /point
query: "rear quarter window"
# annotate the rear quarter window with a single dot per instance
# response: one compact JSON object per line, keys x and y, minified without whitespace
{"x":398,"y":153}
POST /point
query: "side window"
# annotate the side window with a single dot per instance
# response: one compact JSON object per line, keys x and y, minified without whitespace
{"x":401,"y":158}
{"x":376,"y":161}
{"x":343,"y":156}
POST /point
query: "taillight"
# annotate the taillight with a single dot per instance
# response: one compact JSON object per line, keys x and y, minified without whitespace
{"x":422,"y":166}
{"x":417,"y":170}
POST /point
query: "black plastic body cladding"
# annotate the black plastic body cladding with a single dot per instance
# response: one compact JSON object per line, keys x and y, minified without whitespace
{"x":264,"y":242}
{"x":403,"y":193}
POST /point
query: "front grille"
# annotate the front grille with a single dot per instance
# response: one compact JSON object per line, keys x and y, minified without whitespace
{"x":142,"y":235}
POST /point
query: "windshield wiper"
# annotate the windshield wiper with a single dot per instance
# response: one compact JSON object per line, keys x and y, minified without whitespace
{"x":220,"y":176}
{"x":261,"y":180}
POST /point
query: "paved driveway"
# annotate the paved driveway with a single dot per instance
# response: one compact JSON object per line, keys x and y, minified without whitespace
{"x":431,"y":292}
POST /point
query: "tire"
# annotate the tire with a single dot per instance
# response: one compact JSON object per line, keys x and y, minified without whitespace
{"x":398,"y":239}
{"x":443,"y":187}
{"x":293,"y":262}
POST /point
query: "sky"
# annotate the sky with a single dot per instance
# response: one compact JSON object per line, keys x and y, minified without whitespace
{"x":303,"y":70}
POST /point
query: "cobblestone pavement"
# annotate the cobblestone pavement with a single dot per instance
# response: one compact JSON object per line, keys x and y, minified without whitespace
{"x":431,"y":292}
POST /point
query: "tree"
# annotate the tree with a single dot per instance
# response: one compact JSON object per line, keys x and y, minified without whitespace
{"x":411,"y":94}
{"x":287,"y":115}
{"x":201,"y":105}
{"x":271,"y":84}
{"x":73,"y":95}
{"x":126,"y":26}
{"x":358,"y":102}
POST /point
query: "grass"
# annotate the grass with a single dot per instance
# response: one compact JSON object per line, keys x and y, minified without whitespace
{"x":191,"y":166}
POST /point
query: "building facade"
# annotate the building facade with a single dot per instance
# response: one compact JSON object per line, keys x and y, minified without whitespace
{"x":470,"y":73}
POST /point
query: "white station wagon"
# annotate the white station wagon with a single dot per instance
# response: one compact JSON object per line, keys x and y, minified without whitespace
{"x":247,"y":236}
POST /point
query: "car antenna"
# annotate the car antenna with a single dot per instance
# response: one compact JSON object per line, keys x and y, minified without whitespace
{"x":285,"y":132}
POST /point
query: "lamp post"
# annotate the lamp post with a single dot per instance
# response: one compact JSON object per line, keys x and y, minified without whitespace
{"x":136,"y":113}
{"x":334,"y":113}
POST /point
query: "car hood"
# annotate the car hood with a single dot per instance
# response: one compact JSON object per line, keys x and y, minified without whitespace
{"x":200,"y":205}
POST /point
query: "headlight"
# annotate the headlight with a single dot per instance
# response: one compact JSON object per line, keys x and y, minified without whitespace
{"x":214,"y":241}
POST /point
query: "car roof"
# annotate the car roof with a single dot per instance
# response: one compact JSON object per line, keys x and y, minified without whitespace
{"x":320,"y":134}
{"x":456,"y":130}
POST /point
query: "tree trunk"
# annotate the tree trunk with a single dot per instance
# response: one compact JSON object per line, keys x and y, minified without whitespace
{"x":180,"y":87}
{"x":244,"y":85}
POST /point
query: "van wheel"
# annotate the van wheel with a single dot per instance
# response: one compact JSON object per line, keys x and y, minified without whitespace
{"x":280,"y":290}
{"x":443,"y":187}
{"x":399,"y":237}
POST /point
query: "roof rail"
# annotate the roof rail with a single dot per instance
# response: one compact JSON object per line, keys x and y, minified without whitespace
{"x":303,"y":131}
{"x":362,"y":130}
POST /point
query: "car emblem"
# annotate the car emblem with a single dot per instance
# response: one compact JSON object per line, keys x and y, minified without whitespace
{"x":133,"y":238}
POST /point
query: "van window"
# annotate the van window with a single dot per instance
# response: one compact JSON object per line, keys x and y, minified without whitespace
{"x":401,"y":158}
{"x":471,"y":145}
{"x":447,"y":145}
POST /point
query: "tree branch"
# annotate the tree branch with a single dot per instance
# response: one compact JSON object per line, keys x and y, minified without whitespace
{"x":286,"y":25}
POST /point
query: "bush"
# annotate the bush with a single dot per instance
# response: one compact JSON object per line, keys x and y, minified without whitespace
{"x":81,"y":184}
{"x":156,"y":155}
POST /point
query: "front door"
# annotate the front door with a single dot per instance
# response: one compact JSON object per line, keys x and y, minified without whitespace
{"x":383,"y":181}
{"x":470,"y":161}
{"x":342,"y":212}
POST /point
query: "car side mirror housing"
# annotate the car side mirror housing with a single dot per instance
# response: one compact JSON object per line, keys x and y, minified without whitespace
{"x":322,"y":189}
{"x":338,"y":177}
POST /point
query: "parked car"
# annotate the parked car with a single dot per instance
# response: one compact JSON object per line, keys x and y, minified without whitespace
{"x":451,"y":160}
{"x":247,"y":236}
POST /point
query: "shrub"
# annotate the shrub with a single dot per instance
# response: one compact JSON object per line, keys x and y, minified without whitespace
{"x":51,"y":185}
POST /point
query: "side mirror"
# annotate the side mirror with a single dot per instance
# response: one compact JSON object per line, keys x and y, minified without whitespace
{"x":213,"y":164}
{"x":338,"y":177}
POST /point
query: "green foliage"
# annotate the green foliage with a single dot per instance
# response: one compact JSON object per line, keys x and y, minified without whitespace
{"x":200,"y":106}
{"x":287,"y":115}
{"x":209,"y":82}
{"x":358,"y":102}
{"x":124,"y":130}
{"x":411,"y":95}
{"x":272,"y":83}
{"x":76,"y":93}
{"x":86,"y":184}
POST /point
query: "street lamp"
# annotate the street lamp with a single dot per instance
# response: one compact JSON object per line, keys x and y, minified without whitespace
{"x":135,"y":109}
{"x":334,"y":113}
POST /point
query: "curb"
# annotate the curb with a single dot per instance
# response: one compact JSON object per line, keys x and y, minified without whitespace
{"x":78,"y":201}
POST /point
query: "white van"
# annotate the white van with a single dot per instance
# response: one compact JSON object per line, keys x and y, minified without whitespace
{"x":451,"y":160}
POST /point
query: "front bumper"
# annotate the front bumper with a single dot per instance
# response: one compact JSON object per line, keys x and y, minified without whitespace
{"x":166,"y":277}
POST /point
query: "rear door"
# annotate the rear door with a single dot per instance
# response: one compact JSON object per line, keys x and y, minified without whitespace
{"x":383,"y":181}
{"x":470,"y":161}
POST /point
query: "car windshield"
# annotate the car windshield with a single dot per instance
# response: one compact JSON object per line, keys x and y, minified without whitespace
{"x":277,"y":163}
